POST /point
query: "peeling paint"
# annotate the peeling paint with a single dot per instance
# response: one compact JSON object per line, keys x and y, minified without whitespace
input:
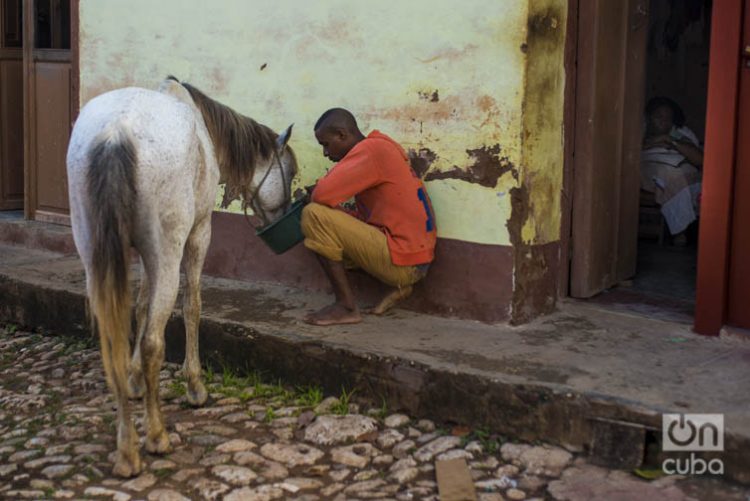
{"x":487,"y":168}
{"x":436,"y":112}
{"x":432,"y":97}
{"x":534,"y":266}
{"x":421,"y":160}
{"x":519,"y":202}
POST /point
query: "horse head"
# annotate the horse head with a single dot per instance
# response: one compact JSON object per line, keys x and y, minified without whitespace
{"x":271,"y":180}
{"x":256,"y":164}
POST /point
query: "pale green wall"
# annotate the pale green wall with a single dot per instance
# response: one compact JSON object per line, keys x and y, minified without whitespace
{"x":374,"y":59}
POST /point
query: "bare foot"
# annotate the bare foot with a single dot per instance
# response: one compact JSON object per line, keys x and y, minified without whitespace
{"x":390,"y":300}
{"x":334,"y":314}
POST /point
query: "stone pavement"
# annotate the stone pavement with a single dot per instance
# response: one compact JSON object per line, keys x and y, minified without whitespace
{"x":256,"y":441}
{"x":584,"y":378}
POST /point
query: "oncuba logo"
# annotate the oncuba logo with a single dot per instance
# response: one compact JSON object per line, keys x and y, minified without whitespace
{"x":692,"y":432}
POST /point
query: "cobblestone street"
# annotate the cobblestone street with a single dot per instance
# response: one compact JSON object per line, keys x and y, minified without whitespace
{"x":255,"y":441}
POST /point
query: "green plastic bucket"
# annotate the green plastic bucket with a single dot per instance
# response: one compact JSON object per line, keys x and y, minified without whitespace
{"x":286,"y":232}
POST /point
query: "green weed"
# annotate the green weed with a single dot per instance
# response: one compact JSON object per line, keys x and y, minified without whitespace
{"x":310,"y":396}
{"x":163,"y":472}
{"x":383,"y":411}
{"x":230,"y":379}
{"x":176,"y":389}
{"x":209,"y":373}
{"x":272,"y":391}
{"x":342,"y":406}
{"x":270,"y":415}
{"x":282,"y":394}
{"x":490,"y":442}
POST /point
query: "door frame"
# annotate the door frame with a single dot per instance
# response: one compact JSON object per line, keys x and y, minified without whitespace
{"x":714,"y":238}
{"x":712,"y":281}
{"x":569,"y":141}
{"x":29,"y":125}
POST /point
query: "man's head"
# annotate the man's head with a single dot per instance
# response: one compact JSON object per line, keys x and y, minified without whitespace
{"x":337,"y":132}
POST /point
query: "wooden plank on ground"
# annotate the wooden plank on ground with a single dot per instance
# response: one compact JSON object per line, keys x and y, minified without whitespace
{"x":454,"y":480}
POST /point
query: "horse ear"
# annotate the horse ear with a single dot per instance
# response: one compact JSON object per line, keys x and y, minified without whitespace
{"x":283,"y":138}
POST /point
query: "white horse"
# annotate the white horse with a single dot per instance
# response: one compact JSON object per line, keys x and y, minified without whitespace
{"x":143,"y":170}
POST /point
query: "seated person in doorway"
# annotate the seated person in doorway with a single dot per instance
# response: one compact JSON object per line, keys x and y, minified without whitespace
{"x":391,"y":232}
{"x":670,"y":163}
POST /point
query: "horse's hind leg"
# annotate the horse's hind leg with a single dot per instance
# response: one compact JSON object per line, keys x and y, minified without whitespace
{"x":136,"y":384}
{"x":163,"y":268}
{"x":115,"y":351}
{"x":128,"y":461}
{"x":195,"y":254}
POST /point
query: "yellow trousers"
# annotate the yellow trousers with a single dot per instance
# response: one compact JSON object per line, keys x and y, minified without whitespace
{"x":337,"y":236}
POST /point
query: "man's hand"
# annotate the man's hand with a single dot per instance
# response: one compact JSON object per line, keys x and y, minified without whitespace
{"x":309,"y":191}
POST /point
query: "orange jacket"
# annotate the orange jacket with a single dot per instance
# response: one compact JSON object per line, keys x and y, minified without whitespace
{"x":388,"y":194}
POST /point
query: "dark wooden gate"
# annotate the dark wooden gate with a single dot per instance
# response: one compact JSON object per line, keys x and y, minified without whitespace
{"x":11,"y":105}
{"x":49,"y":107}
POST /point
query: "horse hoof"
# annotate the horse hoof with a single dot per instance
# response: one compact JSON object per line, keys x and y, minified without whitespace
{"x":159,"y":445}
{"x":136,"y":386}
{"x":196,"y":394}
{"x":126,"y":468}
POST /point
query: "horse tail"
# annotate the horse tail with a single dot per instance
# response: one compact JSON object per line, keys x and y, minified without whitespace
{"x":112,"y":194}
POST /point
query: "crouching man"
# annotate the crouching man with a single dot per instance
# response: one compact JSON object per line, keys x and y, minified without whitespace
{"x":391,"y":232}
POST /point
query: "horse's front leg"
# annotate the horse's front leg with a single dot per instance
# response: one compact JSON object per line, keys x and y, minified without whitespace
{"x":136,"y":384}
{"x":195,"y":254}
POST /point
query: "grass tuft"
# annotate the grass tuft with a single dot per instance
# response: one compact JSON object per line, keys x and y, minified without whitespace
{"x":309,"y":396}
{"x":342,"y":406}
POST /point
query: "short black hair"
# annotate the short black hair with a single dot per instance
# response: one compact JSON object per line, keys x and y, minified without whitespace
{"x":337,"y":118}
{"x":678,"y":117}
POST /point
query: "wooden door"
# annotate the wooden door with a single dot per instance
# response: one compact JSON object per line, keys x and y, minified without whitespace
{"x":11,"y":105}
{"x":738,"y":311}
{"x":49,"y":110}
{"x":610,"y":88}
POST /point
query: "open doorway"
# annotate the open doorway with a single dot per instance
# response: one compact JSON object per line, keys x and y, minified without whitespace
{"x":677,"y":55}
{"x":622,"y":252}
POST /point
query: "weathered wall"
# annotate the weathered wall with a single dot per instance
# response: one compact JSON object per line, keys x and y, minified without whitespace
{"x":452,"y":81}
{"x":442,"y":77}
{"x":534,"y":226}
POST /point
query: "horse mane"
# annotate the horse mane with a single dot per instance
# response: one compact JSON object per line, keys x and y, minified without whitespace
{"x":239,"y":142}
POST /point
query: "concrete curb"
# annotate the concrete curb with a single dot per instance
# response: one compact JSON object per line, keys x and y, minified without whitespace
{"x":612,"y":430}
